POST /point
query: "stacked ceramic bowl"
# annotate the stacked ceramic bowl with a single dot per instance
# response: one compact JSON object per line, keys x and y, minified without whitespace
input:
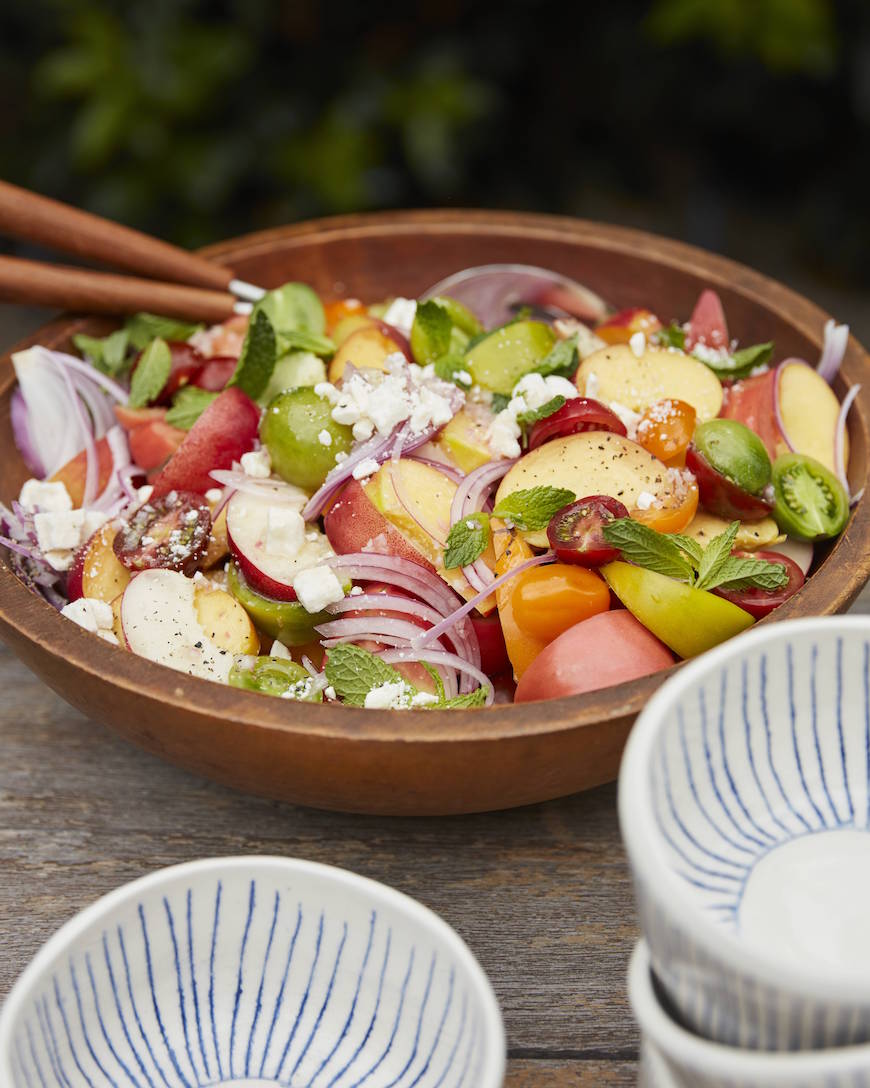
{"x":744,"y":802}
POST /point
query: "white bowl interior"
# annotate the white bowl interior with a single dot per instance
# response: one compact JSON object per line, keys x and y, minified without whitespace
{"x":253,"y":971}
{"x":759,"y":778}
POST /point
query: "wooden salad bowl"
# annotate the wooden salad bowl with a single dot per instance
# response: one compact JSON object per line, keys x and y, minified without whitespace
{"x":420,"y":763}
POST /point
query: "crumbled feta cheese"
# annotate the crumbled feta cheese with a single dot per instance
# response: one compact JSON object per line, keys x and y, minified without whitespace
{"x":42,"y":495}
{"x":503,"y":435}
{"x":400,"y":314}
{"x":280,"y":650}
{"x":285,"y":530}
{"x":592,"y":384}
{"x":90,"y":613}
{"x":390,"y":696}
{"x":257,"y":464}
{"x":328,"y":391}
{"x":645,"y":500}
{"x":213,"y":495}
{"x":145,"y":492}
{"x":363,"y":429}
{"x":59,"y":530}
{"x":357,"y":591}
{"x":324,"y":438}
{"x":60,"y":559}
{"x":340,"y":457}
{"x":109,"y":636}
{"x":708,"y":354}
{"x":628,"y":417}
{"x":317,"y":587}
{"x":587,"y":342}
{"x":329,"y":692}
{"x":637,"y":343}
{"x":424,"y":698}
{"x":365,"y":468}
{"x":531,"y":392}
{"x":462,"y":376}
{"x":93,"y":520}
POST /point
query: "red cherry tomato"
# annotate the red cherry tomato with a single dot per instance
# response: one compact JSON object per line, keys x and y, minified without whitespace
{"x":187,"y":362}
{"x":576,"y":533}
{"x":721,"y":496}
{"x":493,"y":651}
{"x":170,"y":532}
{"x":216,"y":373}
{"x":759,"y":602}
{"x":575,"y":416}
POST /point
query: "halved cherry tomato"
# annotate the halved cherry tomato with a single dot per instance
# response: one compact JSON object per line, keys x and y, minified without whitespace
{"x":666,"y":429}
{"x":187,"y":362}
{"x":576,"y":532}
{"x":216,"y":372}
{"x":549,"y":600}
{"x":575,"y":416}
{"x":340,"y":309}
{"x":707,"y":325}
{"x":674,"y":511}
{"x":170,"y":532}
{"x":619,"y":328}
{"x":759,"y":602}
{"x":722,"y":496}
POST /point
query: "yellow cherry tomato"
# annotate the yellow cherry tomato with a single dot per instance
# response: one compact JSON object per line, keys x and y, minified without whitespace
{"x":619,"y":328}
{"x":673,"y":512}
{"x":339,"y":310}
{"x":548,"y":600}
{"x":666,"y":430}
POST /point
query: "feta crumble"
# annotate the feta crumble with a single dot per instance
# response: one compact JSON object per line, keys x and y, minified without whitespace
{"x":531,"y":392}
{"x":400,"y":314}
{"x":396,"y":695}
{"x":645,"y":500}
{"x":53,"y":498}
{"x":257,"y":464}
{"x":213,"y":495}
{"x":424,"y":698}
{"x":317,"y":587}
{"x":365,"y":468}
{"x":90,"y":613}
{"x":637,"y":343}
{"x":285,"y":530}
{"x":324,"y":438}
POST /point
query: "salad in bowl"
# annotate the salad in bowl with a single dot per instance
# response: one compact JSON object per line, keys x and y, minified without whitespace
{"x":502,"y":491}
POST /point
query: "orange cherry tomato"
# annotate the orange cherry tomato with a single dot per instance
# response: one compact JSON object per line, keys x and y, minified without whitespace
{"x":666,"y":430}
{"x":549,"y":600}
{"x":340,"y":309}
{"x":675,"y":510}
{"x":619,"y":328}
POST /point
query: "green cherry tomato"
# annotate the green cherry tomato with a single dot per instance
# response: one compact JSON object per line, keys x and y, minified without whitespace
{"x":810,"y":502}
{"x":274,"y":676}
{"x":286,"y":621}
{"x":735,"y":452}
{"x":291,"y":430}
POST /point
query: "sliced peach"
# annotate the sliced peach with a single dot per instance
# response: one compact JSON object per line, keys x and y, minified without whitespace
{"x":97,"y":572}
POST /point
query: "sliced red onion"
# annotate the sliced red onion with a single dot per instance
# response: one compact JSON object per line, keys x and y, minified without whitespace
{"x":834,"y":350}
{"x":86,"y":440}
{"x":125,"y":479}
{"x":388,"y":601}
{"x":840,"y":439}
{"x":115,"y":390}
{"x":777,"y":411}
{"x":470,"y":498}
{"x":52,"y":427}
{"x":370,"y":627}
{"x":451,"y":471}
{"x":494,"y":293}
{"x":438,"y":657}
{"x":274,"y":490}
{"x":29,"y":550}
{"x":438,"y":630}
{"x":857,"y":497}
{"x":21,"y":432}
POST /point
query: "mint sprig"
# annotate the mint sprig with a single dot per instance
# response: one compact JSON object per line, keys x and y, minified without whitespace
{"x":188,"y":404}
{"x":562,"y":360}
{"x":430,"y":332}
{"x":142,"y":328}
{"x":353,"y":672}
{"x":108,"y":354}
{"x":304,"y":340}
{"x":682,"y":558}
{"x":258,"y":357}
{"x":529,"y":418}
{"x":151,"y":373}
{"x":532,"y":509}
{"x":466,"y":541}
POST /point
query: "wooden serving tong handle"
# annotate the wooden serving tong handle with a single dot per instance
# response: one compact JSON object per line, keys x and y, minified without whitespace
{"x":37,"y":218}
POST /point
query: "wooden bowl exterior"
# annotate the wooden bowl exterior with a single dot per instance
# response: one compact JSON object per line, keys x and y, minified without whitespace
{"x":423,"y":763}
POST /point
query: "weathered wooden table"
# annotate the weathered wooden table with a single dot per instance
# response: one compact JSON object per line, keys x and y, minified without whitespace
{"x":542,"y":895}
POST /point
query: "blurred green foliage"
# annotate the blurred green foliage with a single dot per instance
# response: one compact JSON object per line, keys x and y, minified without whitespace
{"x":197,"y":119}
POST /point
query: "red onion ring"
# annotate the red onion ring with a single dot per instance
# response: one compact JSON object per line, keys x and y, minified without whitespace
{"x":71,"y":362}
{"x":834,"y":350}
{"x":455,"y":474}
{"x":840,"y":439}
{"x":274,"y":490}
{"x":470,"y":497}
{"x":20,"y":420}
{"x":437,"y":657}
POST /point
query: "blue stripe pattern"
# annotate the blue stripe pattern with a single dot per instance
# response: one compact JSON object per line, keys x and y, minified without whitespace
{"x":771,"y":747}
{"x":247,"y":980}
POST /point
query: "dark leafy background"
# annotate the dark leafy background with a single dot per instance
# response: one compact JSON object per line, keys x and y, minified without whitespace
{"x":740,"y":125}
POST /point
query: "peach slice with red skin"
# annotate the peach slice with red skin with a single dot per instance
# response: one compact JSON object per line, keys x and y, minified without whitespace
{"x":96,"y":570}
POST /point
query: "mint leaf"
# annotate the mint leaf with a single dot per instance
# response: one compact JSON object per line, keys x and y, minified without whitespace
{"x":258,"y":357}
{"x":187,"y":406}
{"x":689,"y":545}
{"x":674,"y":336}
{"x":430,"y":333}
{"x":462,"y":702}
{"x":562,"y":360}
{"x":656,"y":551}
{"x":715,"y":554}
{"x":292,"y":307}
{"x":526,"y":419}
{"x":353,"y":672}
{"x":500,"y":401}
{"x":108,"y":354}
{"x":532,"y":509}
{"x":745,"y":360}
{"x":449,"y":367}
{"x":150,"y":374}
{"x":436,"y":680}
{"x":303,"y":340}
{"x":143,"y":328}
{"x":739,"y":572}
{"x":467,"y":541}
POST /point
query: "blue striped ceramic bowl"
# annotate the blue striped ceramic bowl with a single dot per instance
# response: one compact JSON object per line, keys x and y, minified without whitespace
{"x":672,"y":1057}
{"x":253,"y":972}
{"x":744,"y":802}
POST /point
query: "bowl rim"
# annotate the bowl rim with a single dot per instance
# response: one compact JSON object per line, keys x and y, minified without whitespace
{"x":645,"y":848}
{"x":35,"y":621}
{"x":704,"y":1056}
{"x":103,"y":907}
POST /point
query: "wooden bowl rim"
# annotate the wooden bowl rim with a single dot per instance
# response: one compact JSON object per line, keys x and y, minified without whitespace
{"x":36,"y":621}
